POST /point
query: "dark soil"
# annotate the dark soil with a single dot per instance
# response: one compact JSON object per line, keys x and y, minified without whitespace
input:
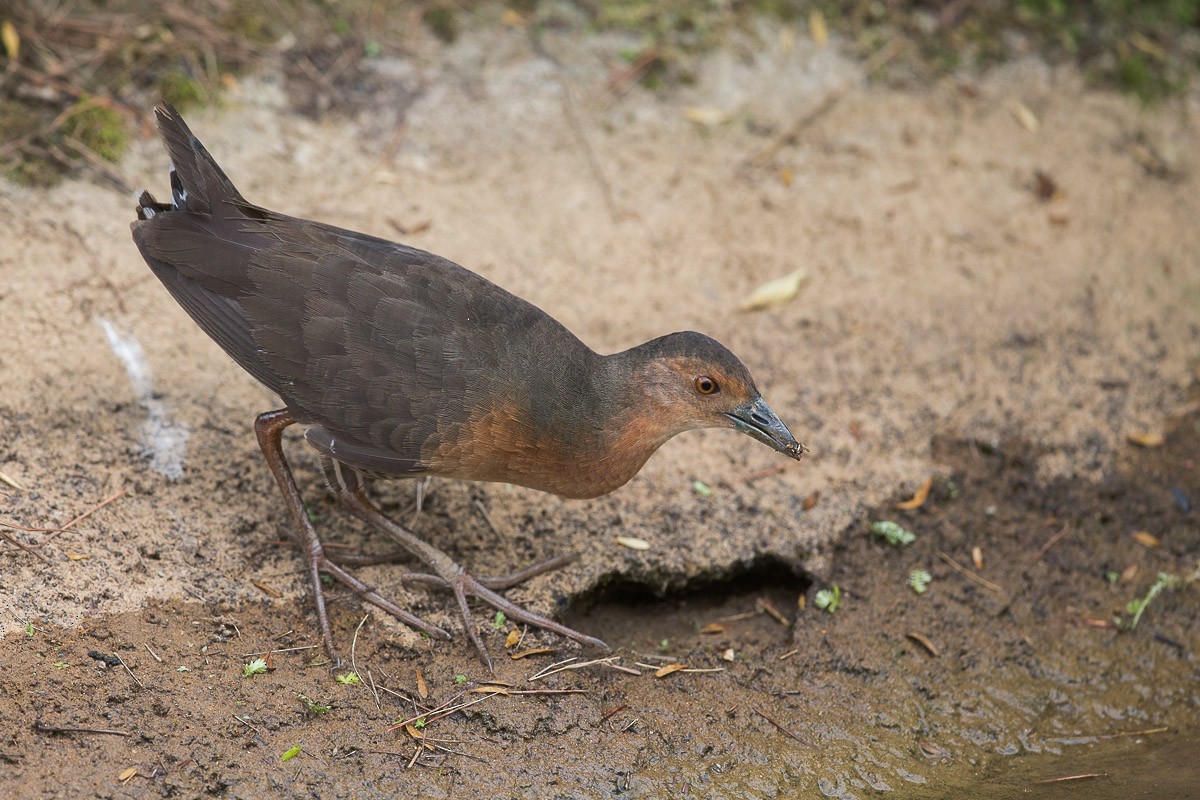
{"x":843,"y":704}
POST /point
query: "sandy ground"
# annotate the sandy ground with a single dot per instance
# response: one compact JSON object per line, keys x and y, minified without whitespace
{"x":945,"y":300}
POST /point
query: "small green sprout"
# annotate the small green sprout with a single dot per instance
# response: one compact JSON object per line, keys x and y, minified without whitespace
{"x":1112,"y":576}
{"x":664,"y":645}
{"x":60,"y":665}
{"x":1138,"y":605}
{"x":419,"y":724}
{"x":701,"y":488}
{"x":919,"y":580}
{"x":182,"y":668}
{"x":29,"y":629}
{"x":893,"y":533}
{"x":314,"y":708}
{"x":499,"y":620}
{"x":951,"y":489}
{"x":349,"y":679}
{"x":290,"y":753}
{"x":255,"y":667}
{"x":460,"y":678}
{"x":312,"y":515}
{"x":829,"y":599}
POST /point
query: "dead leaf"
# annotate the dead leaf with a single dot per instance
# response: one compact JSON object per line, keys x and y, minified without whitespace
{"x":266,"y":589}
{"x":787,"y":176}
{"x":1024,"y":116}
{"x":632,"y":543}
{"x":663,"y":672}
{"x":413,"y":732}
{"x":977,"y":557}
{"x":12,"y":42}
{"x":76,"y":556}
{"x":708,"y":117}
{"x":490,"y":689}
{"x":934,"y":750}
{"x":126,"y":774}
{"x":422,"y":686}
{"x":923,"y":640}
{"x":1161,"y":162}
{"x":1128,"y":574}
{"x":1146,"y":539}
{"x":767,"y":607}
{"x":533,"y":651}
{"x":817,"y":28}
{"x":714,"y":627}
{"x":512,"y":18}
{"x":774,"y":292}
{"x":511,"y":640}
{"x":13,"y":482}
{"x":919,"y":498}
{"x":810,"y":502}
{"x":1147,"y":46}
{"x":1147,"y":439}
{"x":1044,"y":185}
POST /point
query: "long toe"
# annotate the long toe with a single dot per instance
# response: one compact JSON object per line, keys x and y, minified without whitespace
{"x":475,"y":588}
{"x":502,"y":582}
{"x":379,"y":601}
{"x":497,"y":582}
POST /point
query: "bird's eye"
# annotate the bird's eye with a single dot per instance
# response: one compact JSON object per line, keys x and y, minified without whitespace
{"x":706,"y":385}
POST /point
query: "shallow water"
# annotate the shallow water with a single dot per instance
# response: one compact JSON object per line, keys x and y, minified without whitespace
{"x":1165,"y":765}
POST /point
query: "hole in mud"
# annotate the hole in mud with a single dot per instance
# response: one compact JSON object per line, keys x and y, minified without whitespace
{"x":627,"y":613}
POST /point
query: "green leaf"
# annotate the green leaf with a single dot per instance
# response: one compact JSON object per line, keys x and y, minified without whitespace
{"x":892,"y":532}
{"x":1138,"y":605}
{"x":460,"y":678}
{"x":290,"y":753}
{"x":919,"y":580}
{"x":499,"y":620}
{"x":255,"y":667}
{"x":314,"y":708}
{"x":349,"y":679}
{"x":829,"y":599}
{"x":701,"y":488}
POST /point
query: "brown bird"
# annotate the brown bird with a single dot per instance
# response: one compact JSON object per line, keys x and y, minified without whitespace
{"x":400,"y":363}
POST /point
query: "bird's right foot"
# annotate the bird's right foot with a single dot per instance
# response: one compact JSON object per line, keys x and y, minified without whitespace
{"x":449,"y":575}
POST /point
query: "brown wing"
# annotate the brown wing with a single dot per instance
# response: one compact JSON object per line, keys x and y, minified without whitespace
{"x":384,"y":349}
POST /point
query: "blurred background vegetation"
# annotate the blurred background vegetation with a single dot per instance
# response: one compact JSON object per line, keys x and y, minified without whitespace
{"x":77,"y":78}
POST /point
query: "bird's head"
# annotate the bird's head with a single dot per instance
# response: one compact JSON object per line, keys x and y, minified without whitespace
{"x":687,"y":380}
